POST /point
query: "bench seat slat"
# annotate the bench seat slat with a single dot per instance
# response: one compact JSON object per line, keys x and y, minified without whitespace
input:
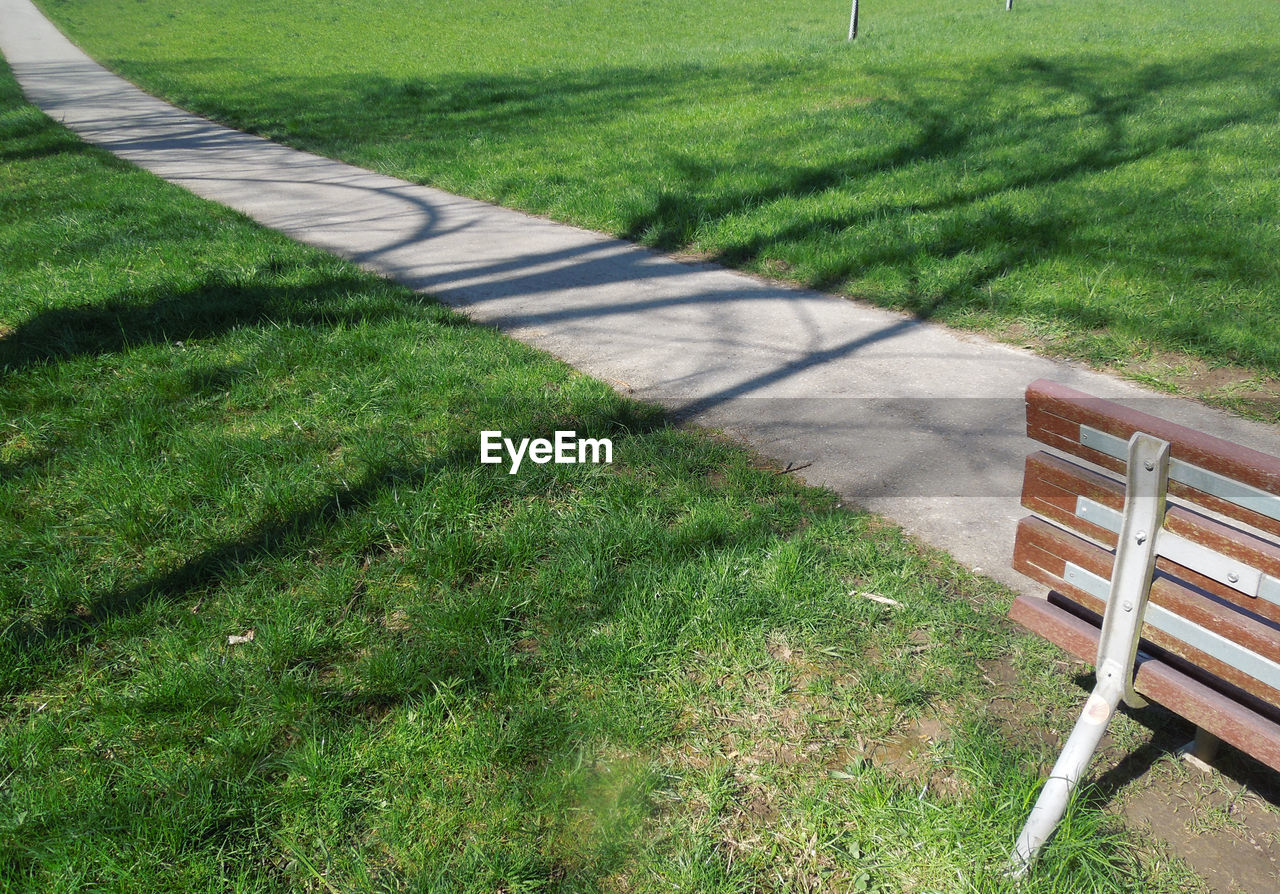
{"x":1156,"y":679}
{"x":1042,"y":552}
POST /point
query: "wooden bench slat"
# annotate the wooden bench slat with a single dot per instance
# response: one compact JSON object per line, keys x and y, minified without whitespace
{"x":1252,"y":551}
{"x":1043,"y":546}
{"x":1074,"y":447}
{"x":1235,"y":693}
{"x":1042,"y":551}
{"x":1042,"y":420}
{"x":1194,"y":700}
{"x":1055,"y":413}
{"x":1051,"y":486}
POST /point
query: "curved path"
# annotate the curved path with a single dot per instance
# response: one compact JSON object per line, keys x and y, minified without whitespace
{"x":906,"y":418}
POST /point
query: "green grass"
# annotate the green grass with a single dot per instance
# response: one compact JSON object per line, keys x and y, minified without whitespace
{"x":1097,"y":178}
{"x":650,"y":676}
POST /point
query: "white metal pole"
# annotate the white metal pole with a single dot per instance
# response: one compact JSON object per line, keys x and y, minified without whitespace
{"x":853,"y":20}
{"x":1074,"y":760}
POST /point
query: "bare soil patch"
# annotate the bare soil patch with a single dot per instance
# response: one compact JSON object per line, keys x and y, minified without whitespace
{"x":1229,"y":836}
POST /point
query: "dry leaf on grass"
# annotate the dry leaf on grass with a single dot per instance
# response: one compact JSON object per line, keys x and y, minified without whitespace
{"x":876,"y":597}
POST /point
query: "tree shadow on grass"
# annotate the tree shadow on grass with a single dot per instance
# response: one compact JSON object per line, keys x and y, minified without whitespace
{"x":161,"y":316}
{"x":938,"y":186}
{"x":32,"y":649}
{"x":242,"y":782}
{"x":25,"y":134}
{"x":1115,"y":128}
{"x":944,"y":181}
{"x":243,"y":778}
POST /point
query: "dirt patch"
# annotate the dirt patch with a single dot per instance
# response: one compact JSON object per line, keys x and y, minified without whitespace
{"x":911,"y":755}
{"x":1228,"y":836}
{"x":780,"y":650}
{"x":905,"y":754}
{"x":1225,"y":385}
{"x":1222,"y":823}
{"x":1009,"y":713}
{"x":526,"y":646}
{"x":999,"y":672}
{"x":398,"y":621}
{"x":717,"y":479}
{"x":758,"y":804}
{"x":1010,"y":717}
{"x":1225,"y":824}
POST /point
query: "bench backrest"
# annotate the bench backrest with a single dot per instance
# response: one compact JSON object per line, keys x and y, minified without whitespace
{"x":1212,"y":623}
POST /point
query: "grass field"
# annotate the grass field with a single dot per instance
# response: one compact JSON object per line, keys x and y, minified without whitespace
{"x":659,"y":675}
{"x":1099,"y":179}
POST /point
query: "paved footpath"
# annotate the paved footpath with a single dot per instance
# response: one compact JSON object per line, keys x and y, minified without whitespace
{"x":906,"y":418}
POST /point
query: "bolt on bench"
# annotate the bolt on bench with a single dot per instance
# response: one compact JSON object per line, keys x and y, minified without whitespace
{"x":1179,"y":604}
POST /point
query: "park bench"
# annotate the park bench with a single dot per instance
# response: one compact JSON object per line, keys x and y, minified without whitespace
{"x":1176,"y":601}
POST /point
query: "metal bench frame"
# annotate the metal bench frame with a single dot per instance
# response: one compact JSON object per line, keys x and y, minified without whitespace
{"x":1215,"y":658}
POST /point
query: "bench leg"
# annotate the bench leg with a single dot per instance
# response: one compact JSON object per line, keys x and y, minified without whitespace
{"x":1201,"y":750}
{"x":1066,"y":773}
